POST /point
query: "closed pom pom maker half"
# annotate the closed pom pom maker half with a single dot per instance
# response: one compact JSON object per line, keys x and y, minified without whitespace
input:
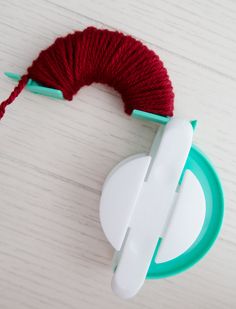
{"x":161,"y":211}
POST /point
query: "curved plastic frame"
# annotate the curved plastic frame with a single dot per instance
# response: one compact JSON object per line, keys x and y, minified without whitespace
{"x":201,"y":167}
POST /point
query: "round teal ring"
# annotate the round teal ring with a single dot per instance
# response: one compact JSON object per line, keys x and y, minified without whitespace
{"x":202,"y":168}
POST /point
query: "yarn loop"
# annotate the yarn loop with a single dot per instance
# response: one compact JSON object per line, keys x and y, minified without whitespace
{"x":107,"y":57}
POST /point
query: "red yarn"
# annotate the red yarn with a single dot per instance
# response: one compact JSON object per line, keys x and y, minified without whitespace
{"x":108,"y":57}
{"x":16,"y":91}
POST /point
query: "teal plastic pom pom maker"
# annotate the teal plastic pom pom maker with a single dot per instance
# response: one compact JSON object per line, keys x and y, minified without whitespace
{"x":161,"y":211}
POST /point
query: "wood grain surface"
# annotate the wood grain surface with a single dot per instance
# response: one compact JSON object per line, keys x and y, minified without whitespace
{"x":55,"y":155}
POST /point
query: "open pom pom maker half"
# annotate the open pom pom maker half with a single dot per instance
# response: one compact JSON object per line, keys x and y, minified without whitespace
{"x":161,"y":211}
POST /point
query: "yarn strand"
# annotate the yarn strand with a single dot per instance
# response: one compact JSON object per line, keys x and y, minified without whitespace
{"x":16,"y":91}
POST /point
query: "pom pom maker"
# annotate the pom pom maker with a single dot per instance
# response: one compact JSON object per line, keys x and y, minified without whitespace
{"x":162,"y":211}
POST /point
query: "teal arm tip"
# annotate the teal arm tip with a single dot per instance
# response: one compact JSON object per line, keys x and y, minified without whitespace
{"x":156,"y":118}
{"x":35,"y":87}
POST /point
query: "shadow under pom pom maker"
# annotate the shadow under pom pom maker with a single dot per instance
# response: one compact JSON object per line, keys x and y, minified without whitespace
{"x":161,"y":211}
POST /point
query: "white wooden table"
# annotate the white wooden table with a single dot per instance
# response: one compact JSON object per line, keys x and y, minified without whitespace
{"x":55,"y":155}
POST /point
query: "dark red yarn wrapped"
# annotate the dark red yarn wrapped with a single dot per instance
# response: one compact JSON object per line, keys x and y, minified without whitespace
{"x":103,"y":56}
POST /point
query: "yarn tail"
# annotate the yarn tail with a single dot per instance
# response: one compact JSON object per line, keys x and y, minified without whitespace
{"x":17,"y":90}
